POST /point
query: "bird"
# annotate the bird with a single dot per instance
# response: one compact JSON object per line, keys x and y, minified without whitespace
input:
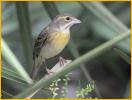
{"x":52,"y":40}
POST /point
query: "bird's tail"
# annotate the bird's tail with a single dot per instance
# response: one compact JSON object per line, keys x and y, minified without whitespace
{"x":34,"y":71}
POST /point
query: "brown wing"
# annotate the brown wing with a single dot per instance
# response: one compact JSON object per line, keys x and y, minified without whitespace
{"x":39,"y":43}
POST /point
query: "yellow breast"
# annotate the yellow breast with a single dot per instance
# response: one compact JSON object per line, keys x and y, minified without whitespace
{"x":57,"y":43}
{"x":61,"y":39}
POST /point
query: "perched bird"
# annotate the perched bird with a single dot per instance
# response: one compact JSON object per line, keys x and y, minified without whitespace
{"x":52,"y":40}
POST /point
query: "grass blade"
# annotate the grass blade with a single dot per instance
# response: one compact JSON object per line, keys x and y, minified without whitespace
{"x":13,"y":61}
{"x":115,"y":26}
{"x":123,"y":55}
{"x":25,"y":31}
{"x":51,"y":9}
{"x":108,"y":33}
{"x":14,"y":79}
{"x":11,"y":75}
{"x":105,"y":15}
{"x":6,"y":94}
{"x":10,"y":71}
{"x":84,"y":58}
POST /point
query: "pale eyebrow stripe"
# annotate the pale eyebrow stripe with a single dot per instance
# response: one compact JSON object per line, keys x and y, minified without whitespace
{"x":63,"y":17}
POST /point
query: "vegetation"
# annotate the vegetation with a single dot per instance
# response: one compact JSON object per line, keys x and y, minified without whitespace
{"x":99,"y":49}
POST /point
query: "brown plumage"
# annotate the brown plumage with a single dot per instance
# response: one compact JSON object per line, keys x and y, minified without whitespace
{"x":52,"y":40}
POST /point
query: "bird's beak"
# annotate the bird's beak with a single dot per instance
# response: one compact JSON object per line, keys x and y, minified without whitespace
{"x":77,"y":21}
{"x":73,"y":22}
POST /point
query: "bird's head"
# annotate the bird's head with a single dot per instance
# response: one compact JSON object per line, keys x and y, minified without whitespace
{"x":65,"y":21}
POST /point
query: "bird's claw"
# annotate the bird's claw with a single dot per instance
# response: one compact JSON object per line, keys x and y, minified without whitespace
{"x":62,"y":61}
{"x":49,"y":71}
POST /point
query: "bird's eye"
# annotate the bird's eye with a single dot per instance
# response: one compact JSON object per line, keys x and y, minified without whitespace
{"x":67,"y":18}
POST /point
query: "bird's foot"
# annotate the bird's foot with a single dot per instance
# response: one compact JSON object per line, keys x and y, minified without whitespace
{"x":62,"y":61}
{"x":49,"y":71}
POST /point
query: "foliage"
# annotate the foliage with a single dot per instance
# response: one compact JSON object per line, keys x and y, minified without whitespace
{"x":54,"y":86}
{"x":85,"y":91}
{"x":103,"y":27}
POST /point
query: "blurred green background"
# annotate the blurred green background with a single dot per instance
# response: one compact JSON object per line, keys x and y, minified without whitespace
{"x":101,"y":21}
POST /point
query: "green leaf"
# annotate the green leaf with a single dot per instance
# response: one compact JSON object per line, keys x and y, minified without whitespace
{"x":25,"y":30}
{"x":115,"y":26}
{"x":13,"y":61}
{"x":51,"y":9}
{"x":6,"y":94}
{"x":9,"y":71}
{"x":100,"y":11}
{"x":10,"y":75}
{"x":12,"y":78}
{"x":123,"y":55}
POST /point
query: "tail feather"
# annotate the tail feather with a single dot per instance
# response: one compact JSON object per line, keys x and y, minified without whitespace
{"x":36,"y":66}
{"x":34,"y":71}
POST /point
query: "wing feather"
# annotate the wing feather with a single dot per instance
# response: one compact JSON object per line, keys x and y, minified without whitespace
{"x":39,"y":42}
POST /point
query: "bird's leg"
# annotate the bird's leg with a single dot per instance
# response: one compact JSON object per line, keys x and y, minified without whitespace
{"x":62,"y":61}
{"x":48,"y":70}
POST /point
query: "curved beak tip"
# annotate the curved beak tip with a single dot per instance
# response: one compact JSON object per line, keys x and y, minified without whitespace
{"x":77,"y":21}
